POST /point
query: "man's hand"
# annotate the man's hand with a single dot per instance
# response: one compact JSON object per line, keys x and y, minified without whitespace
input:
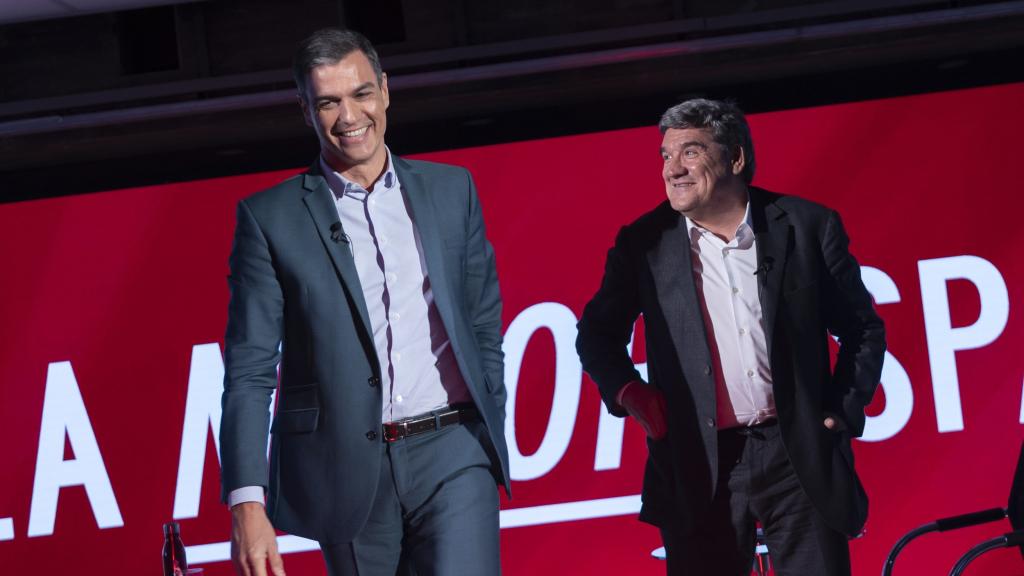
{"x":253,"y":541}
{"x":835,"y":423}
{"x":647,"y":404}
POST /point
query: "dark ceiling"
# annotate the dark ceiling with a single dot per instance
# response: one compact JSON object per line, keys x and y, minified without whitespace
{"x":203,"y":89}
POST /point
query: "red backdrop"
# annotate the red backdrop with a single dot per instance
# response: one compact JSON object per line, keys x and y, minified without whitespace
{"x":113,"y":307}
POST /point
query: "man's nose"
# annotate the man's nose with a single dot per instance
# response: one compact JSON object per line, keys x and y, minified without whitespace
{"x":346,"y":112}
{"x":675,"y":168}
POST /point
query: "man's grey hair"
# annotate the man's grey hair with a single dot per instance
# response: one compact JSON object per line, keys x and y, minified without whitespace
{"x":724,"y":120}
{"x":327,"y":47}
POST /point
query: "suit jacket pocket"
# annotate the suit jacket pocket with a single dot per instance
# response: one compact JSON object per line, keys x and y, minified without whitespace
{"x":296,"y":421}
{"x":298,"y":410}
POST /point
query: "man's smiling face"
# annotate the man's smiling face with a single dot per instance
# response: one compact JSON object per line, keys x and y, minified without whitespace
{"x":347,"y":106}
{"x":696,"y":169}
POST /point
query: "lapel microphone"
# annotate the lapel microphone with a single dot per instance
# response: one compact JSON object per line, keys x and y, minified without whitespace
{"x":336,"y":233}
{"x":765,"y":267}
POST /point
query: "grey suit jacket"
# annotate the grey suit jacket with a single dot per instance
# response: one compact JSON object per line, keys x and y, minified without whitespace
{"x":810,"y":286}
{"x":296,"y":300}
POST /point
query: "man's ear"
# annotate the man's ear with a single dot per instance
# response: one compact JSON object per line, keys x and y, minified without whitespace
{"x":739,"y":161}
{"x":384,"y":89}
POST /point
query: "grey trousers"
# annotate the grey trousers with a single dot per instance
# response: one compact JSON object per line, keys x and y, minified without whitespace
{"x":435,"y":511}
{"x":756,"y":482}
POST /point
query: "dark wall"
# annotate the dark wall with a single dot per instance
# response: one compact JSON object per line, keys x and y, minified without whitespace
{"x":463,"y":73}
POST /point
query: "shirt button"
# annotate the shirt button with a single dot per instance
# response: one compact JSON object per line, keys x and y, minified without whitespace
{"x":392,"y":277}
{"x":373,"y":381}
{"x":735,"y":290}
{"x":710,"y":422}
{"x":371,"y":435}
{"x":398,"y":399}
{"x":743,"y":331}
{"x":395,"y":316}
{"x":707,"y":369}
{"x":383,"y":240}
{"x":750,"y":373}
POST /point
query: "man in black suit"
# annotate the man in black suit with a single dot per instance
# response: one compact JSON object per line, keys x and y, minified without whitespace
{"x":746,"y":419}
{"x":370,"y":281}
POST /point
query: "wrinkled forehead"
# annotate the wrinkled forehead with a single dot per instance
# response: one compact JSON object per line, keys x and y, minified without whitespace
{"x":675,"y":138}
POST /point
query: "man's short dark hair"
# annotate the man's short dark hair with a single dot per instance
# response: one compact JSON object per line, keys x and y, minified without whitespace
{"x":723,"y":119}
{"x":328,"y":46}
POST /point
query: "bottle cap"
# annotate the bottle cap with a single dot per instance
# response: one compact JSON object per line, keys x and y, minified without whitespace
{"x":170,"y":528}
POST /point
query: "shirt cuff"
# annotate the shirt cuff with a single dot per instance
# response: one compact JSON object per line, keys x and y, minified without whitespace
{"x":245,"y":494}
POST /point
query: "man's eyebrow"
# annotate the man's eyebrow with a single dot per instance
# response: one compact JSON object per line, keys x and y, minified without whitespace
{"x":336,"y":98}
{"x":687,"y":144}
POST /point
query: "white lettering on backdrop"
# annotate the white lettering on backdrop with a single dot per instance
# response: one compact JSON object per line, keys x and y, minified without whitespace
{"x":65,"y":416}
{"x":944,"y":340}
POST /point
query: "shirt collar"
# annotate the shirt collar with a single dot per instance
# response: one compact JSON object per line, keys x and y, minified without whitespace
{"x":342,"y":186}
{"x":744,"y":231}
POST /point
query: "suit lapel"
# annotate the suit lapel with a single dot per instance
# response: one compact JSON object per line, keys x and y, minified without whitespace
{"x":774,"y":236}
{"x":425,"y":219}
{"x":672,"y":267}
{"x":320,"y":202}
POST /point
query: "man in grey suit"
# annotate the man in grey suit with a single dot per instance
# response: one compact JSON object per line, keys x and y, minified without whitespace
{"x":369,"y":283}
{"x":746,"y":418}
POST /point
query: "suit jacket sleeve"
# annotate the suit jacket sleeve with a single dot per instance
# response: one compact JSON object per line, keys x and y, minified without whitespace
{"x":484,"y":299}
{"x":607,"y":325}
{"x":251,"y":356}
{"x":851,"y":317}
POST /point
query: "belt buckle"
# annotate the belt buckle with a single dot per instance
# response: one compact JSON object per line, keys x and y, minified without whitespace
{"x":394,"y":431}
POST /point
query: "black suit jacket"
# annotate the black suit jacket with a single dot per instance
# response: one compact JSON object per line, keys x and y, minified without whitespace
{"x":294,"y":288}
{"x":810,"y":287}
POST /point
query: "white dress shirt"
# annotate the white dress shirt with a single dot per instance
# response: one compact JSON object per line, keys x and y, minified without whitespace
{"x":724,"y":273}
{"x":418,"y":368}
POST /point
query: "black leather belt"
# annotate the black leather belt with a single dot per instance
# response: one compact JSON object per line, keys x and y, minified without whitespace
{"x":429,"y":422}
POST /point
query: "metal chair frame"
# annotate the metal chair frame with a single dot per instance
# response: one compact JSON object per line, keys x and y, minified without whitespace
{"x":1014,"y":511}
{"x":1015,"y":538}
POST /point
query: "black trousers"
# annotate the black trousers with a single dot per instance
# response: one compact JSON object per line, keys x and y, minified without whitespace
{"x":435,"y":511}
{"x":756,"y":482}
